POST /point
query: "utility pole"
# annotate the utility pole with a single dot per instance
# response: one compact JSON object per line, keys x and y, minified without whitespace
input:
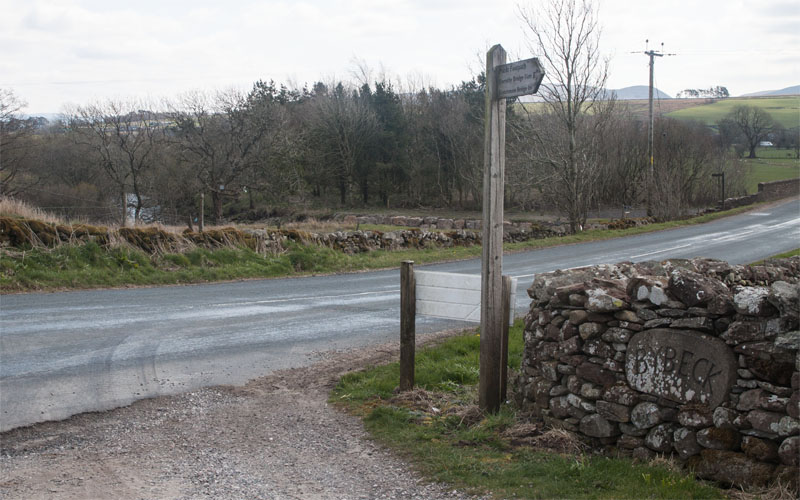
{"x":651,"y":174}
{"x":653,"y":54}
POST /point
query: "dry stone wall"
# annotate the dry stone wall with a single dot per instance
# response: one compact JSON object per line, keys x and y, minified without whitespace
{"x":767,"y":191}
{"x":513,"y":230}
{"x":694,"y":358}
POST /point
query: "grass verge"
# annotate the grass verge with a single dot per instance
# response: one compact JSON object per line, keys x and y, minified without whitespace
{"x":439,"y":428}
{"x":90,"y":266}
{"x":784,"y":255}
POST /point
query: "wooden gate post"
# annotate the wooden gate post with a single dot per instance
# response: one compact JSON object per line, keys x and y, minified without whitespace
{"x":408,"y":312}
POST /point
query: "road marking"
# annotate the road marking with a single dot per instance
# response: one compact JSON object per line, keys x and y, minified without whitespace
{"x":761,"y":214}
{"x":306,"y":297}
{"x":660,"y":251}
{"x":787,"y":223}
{"x":734,"y":236}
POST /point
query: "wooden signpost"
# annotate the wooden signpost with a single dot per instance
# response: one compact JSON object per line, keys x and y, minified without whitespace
{"x":496,"y":299}
{"x":502,"y":81}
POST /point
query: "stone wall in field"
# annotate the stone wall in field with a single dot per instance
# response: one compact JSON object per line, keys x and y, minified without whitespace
{"x":767,"y":191}
{"x":778,"y":189}
{"x":698,"y":359}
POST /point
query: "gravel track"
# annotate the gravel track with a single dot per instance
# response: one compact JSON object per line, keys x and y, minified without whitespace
{"x":274,"y":438}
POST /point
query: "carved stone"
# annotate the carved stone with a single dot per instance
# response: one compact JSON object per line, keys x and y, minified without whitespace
{"x":681,"y":366}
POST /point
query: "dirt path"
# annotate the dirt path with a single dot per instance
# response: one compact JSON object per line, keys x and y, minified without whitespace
{"x":276,"y":437}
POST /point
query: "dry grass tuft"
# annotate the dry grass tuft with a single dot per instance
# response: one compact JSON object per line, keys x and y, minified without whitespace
{"x":776,"y":491}
{"x":667,"y":462}
{"x":18,"y":208}
{"x":560,"y":441}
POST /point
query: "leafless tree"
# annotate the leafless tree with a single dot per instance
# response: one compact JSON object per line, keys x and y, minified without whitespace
{"x":688,"y":156}
{"x":219,"y":136}
{"x":15,"y":147}
{"x":342,"y":129}
{"x":565,"y":35}
{"x":754,"y":123}
{"x":121,"y":136}
{"x":624,"y":158}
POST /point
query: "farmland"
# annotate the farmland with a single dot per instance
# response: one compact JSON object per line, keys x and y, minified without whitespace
{"x":784,"y":110}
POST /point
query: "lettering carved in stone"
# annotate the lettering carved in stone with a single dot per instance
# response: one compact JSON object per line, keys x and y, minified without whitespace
{"x":680,"y":365}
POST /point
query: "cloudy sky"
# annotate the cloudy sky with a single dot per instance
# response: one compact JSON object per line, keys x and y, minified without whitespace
{"x":59,"y":52}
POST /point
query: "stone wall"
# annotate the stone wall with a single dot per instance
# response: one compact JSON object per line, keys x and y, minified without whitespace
{"x":778,"y":189}
{"x":539,"y":229}
{"x":698,"y":359}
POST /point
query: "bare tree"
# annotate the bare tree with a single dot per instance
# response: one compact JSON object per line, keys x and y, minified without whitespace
{"x":624,"y":154}
{"x":15,"y":148}
{"x":688,"y":155}
{"x":565,"y":35}
{"x":121,"y":136}
{"x":219,"y":136}
{"x":342,"y":129}
{"x":754,"y":123}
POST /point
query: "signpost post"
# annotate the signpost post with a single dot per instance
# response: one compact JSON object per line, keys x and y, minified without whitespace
{"x":502,"y":81}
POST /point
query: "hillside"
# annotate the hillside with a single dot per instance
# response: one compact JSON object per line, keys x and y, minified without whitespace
{"x":639,"y":107}
{"x":785,"y":110}
{"x":793,"y":90}
{"x":639,"y":92}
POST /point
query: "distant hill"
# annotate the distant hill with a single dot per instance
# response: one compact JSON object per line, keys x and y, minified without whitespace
{"x":794,"y":90}
{"x":639,"y":92}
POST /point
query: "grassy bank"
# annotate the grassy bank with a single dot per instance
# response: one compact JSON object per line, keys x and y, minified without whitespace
{"x":89,"y":265}
{"x":439,"y":428}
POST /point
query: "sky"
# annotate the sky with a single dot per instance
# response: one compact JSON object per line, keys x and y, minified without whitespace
{"x":59,"y":53}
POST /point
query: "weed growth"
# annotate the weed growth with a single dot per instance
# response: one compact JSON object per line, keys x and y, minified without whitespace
{"x":440,"y":429}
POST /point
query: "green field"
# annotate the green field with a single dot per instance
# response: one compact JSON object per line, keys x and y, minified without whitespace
{"x":784,"y":110}
{"x":771,"y":164}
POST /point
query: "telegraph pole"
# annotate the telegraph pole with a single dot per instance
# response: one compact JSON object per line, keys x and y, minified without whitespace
{"x":651,"y":174}
{"x":653,"y":54}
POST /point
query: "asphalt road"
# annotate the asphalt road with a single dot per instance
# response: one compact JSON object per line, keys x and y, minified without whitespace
{"x":71,"y":352}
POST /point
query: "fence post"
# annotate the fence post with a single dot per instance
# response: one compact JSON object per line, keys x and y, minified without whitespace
{"x":202,"y":212}
{"x":408,"y":311}
{"x":504,"y":339}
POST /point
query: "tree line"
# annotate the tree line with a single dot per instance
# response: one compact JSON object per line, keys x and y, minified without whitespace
{"x":366,"y":144}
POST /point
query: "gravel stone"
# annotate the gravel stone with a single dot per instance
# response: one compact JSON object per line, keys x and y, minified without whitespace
{"x":274,"y":438}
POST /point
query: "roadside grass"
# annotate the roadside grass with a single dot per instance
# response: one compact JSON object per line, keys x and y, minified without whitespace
{"x":606,"y":234}
{"x":784,"y":110}
{"x":90,"y":266}
{"x":440,"y":430}
{"x":784,"y":255}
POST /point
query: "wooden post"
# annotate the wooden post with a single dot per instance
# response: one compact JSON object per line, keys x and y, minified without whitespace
{"x":202,"y":211}
{"x":507,"y":308}
{"x":408,"y":312}
{"x":124,"y":209}
{"x":492,"y":257}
